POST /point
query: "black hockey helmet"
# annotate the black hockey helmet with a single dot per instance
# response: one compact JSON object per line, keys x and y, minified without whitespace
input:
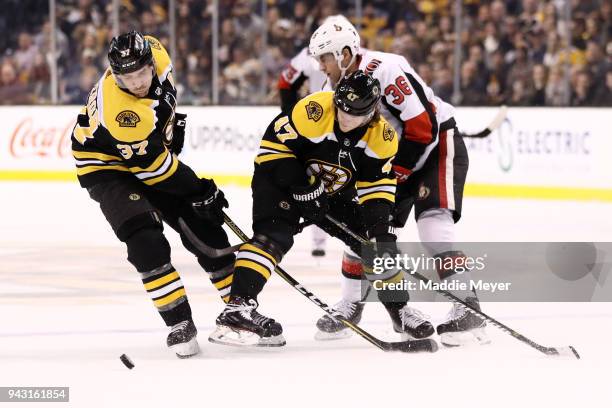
{"x":129,"y":52}
{"x":357,"y":94}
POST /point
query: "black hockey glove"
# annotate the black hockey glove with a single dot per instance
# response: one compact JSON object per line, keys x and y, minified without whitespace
{"x":380,"y":263}
{"x":382,"y":245}
{"x":311,"y":200}
{"x":178,"y":133}
{"x":383,"y":233}
{"x":210,"y":205}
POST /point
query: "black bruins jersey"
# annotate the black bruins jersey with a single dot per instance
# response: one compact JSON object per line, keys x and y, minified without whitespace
{"x":119,"y":134}
{"x":357,"y":163}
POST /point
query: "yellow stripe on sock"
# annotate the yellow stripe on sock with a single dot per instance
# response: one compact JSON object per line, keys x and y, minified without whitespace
{"x":259,"y":251}
{"x":161,"y":281}
{"x":225,"y":282}
{"x":245,"y":263}
{"x":170,"y":298}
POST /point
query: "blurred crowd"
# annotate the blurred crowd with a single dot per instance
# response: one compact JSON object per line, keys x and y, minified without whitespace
{"x":514,"y":52}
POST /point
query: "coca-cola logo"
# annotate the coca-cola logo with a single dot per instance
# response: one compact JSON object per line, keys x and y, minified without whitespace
{"x":33,"y":139}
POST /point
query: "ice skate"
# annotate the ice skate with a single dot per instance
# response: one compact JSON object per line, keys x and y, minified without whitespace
{"x":241,"y":325}
{"x":333,"y":329}
{"x":408,"y":321}
{"x":183,"y":339}
{"x":463,"y":327}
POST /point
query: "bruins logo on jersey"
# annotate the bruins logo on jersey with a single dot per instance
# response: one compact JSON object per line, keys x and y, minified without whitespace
{"x":127,"y":118}
{"x":388,"y":133}
{"x":314,"y":111}
{"x":333,"y":177}
{"x":154,"y":43}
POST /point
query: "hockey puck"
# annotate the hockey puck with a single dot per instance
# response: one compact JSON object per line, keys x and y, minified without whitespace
{"x":126,"y":361}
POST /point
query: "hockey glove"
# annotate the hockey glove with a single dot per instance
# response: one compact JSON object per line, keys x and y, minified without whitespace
{"x":311,"y":200}
{"x":401,"y":173}
{"x":384,"y":233}
{"x":210,"y":205}
{"x":379,"y":263}
{"x":178,"y":133}
{"x":382,"y":245}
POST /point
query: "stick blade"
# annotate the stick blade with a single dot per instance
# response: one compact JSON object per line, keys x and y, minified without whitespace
{"x":413,"y":346}
{"x":499,"y":118}
{"x":568,"y":351}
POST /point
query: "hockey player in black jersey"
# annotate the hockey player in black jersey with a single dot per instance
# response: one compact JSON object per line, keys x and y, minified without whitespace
{"x":333,"y":154}
{"x":125,"y":144}
{"x":431,"y":168}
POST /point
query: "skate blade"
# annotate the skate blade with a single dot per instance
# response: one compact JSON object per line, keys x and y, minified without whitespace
{"x":186,"y":350}
{"x":476,"y":336}
{"x":339,"y":335}
{"x":230,"y":336}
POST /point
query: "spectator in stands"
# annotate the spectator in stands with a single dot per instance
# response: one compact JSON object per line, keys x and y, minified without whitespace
{"x":555,"y":87}
{"x":13,"y":91}
{"x":603,"y":92}
{"x":472,"y":87}
{"x":538,"y":90}
{"x":442,"y":84}
{"x":25,"y":54}
{"x":76,"y":93}
{"x":582,"y":94}
{"x":595,"y":63}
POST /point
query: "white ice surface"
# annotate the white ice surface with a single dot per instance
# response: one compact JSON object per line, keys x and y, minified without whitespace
{"x":70,"y":305}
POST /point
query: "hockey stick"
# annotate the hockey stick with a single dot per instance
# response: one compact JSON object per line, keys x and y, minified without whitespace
{"x":202,"y":247}
{"x":499,"y":118}
{"x":408,"y":346}
{"x":218,"y":252}
{"x":551,"y":351}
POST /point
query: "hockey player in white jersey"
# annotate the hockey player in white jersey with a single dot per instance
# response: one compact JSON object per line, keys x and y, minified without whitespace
{"x":430,"y":167}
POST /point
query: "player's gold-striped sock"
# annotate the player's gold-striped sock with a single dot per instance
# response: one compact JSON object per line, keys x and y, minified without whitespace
{"x":165,"y":287}
{"x":222,"y":280}
{"x":255,"y":259}
{"x":252,"y":270}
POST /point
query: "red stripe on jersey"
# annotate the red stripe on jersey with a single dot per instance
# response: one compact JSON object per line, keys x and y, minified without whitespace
{"x":286,"y":78}
{"x":282,"y":83}
{"x":442,"y":171}
{"x":419,"y":129}
{"x":352,"y":267}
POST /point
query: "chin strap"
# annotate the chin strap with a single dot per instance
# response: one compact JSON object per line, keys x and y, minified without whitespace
{"x":343,"y":70}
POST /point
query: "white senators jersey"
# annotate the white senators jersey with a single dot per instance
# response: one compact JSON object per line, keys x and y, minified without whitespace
{"x":408,"y":104}
{"x":301,"y":67}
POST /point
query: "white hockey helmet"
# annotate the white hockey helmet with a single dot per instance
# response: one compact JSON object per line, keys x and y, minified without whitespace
{"x":334,"y":18}
{"x":332,"y":37}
